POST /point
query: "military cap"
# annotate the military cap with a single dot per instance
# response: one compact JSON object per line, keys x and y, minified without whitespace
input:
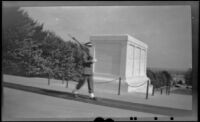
{"x":88,"y":44}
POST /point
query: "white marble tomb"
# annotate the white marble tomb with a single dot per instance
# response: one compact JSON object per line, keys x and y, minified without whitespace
{"x":121,"y":56}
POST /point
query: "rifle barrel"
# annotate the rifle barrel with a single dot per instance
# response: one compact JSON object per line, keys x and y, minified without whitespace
{"x":75,"y":40}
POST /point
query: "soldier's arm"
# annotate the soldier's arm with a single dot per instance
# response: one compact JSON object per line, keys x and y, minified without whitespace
{"x":85,"y":59}
{"x":93,"y":60}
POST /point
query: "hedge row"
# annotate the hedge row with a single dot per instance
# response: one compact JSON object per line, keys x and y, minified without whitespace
{"x":29,"y":50}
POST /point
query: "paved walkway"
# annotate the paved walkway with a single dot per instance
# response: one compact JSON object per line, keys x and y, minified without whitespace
{"x":109,"y":91}
{"x":20,"y":105}
{"x":103,"y":101}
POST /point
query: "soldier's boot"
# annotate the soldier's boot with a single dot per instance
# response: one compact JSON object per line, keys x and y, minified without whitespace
{"x":92,"y":96}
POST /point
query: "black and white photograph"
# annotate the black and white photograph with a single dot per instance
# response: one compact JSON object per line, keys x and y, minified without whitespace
{"x":99,"y":61}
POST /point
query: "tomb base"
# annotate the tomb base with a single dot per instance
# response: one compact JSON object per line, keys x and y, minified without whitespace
{"x":139,"y":84}
{"x":141,"y":89}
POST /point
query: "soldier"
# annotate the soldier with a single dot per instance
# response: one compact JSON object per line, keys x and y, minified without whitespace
{"x":88,"y":71}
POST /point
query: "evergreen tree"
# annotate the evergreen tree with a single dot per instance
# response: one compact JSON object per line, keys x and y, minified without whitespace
{"x":167,"y":77}
{"x":188,"y":77}
{"x":152,"y":76}
{"x":18,"y":33}
{"x":30,"y":50}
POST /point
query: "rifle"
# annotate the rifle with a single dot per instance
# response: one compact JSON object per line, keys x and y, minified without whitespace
{"x":76,"y":41}
{"x":81,"y":45}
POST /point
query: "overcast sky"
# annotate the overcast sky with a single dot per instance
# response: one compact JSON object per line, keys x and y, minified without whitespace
{"x":165,"y":29}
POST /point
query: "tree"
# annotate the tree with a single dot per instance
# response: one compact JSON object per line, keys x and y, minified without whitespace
{"x":152,"y":76}
{"x":20,"y":41}
{"x":160,"y":79}
{"x":30,"y":50}
{"x":188,"y":77}
{"x":167,"y":77}
{"x":68,"y":62}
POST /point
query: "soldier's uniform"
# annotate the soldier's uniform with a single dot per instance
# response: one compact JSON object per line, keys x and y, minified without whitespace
{"x":87,"y":71}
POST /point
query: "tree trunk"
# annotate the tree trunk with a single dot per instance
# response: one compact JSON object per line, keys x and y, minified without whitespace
{"x":66,"y":83}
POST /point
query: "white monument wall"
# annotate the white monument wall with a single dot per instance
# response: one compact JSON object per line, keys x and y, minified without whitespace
{"x":108,"y":59}
{"x":121,"y":56}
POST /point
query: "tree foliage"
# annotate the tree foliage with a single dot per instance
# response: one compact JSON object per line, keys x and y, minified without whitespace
{"x":159,"y":78}
{"x":167,"y":77}
{"x":188,"y":77}
{"x":29,"y":50}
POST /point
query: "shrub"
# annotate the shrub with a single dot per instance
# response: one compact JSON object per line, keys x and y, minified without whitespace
{"x":29,"y":50}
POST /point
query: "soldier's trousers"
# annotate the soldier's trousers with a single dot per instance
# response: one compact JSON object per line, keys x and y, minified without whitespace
{"x":89,"y":79}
